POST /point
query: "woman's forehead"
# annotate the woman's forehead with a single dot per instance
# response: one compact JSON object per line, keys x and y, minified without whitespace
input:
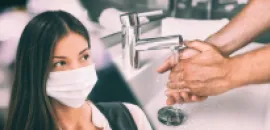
{"x":71,"y":43}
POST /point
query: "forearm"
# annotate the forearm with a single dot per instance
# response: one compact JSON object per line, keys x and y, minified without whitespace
{"x":250,"y":68}
{"x":247,"y":25}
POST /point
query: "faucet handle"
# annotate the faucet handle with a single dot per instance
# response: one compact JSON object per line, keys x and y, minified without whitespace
{"x":132,"y":19}
{"x":151,"y":13}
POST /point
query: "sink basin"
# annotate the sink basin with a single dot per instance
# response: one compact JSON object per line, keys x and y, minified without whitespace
{"x":144,"y":82}
{"x":243,"y":108}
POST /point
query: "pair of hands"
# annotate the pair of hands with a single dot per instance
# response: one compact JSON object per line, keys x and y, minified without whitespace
{"x":201,"y":72}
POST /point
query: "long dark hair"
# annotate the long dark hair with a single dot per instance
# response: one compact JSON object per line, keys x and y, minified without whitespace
{"x":30,"y":107}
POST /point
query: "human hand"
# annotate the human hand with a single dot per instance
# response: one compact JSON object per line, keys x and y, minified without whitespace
{"x":177,"y":95}
{"x":205,"y":74}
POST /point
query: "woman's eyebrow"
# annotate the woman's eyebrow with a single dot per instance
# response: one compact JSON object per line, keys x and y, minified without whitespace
{"x":83,"y":50}
{"x":60,"y":57}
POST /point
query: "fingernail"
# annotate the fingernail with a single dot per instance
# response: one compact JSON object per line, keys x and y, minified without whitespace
{"x":185,"y":55}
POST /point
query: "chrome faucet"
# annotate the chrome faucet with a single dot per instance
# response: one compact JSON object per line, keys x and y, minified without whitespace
{"x":132,"y":44}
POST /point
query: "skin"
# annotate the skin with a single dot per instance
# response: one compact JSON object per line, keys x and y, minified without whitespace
{"x":206,"y":74}
{"x":210,"y":73}
{"x":72,"y":52}
{"x":247,"y":25}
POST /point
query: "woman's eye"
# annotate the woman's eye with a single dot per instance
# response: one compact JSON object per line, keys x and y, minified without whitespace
{"x":85,"y":57}
{"x":59,"y":64}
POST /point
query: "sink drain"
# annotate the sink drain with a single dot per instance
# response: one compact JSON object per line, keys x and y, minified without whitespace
{"x":171,"y":116}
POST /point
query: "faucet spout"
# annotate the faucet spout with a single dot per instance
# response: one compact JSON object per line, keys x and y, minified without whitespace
{"x":132,"y":44}
{"x":159,"y":43}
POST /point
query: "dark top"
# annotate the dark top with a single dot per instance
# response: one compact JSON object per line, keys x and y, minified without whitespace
{"x":118,"y":116}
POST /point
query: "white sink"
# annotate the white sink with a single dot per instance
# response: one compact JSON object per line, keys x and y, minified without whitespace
{"x":244,"y":108}
{"x":240,"y":109}
{"x":145,"y":81}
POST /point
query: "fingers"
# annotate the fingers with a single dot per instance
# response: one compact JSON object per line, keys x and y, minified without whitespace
{"x":185,"y":96}
{"x":179,"y":95}
{"x":167,"y":65}
{"x":176,"y":76}
{"x":188,"y":53}
{"x":170,"y":100}
{"x":198,"y":45}
{"x":178,"y":67}
{"x":195,"y":98}
{"x":171,"y":91}
{"x":174,"y":96}
{"x":177,"y":85}
{"x":171,"y":62}
{"x":194,"y":48}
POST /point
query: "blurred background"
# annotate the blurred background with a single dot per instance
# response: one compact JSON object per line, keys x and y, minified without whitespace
{"x":101,"y":17}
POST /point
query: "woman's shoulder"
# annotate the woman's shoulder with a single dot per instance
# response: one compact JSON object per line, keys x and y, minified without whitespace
{"x":135,"y":111}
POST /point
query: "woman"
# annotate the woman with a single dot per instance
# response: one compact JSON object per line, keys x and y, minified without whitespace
{"x":55,"y":74}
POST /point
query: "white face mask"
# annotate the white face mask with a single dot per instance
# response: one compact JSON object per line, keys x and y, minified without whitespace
{"x":72,"y":87}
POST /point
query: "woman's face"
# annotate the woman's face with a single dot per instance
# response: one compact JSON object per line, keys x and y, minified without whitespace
{"x":71,"y":52}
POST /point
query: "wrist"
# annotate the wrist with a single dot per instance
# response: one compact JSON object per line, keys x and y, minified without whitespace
{"x":236,"y":75}
{"x":220,"y":43}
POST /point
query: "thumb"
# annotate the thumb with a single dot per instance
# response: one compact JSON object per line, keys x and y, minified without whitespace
{"x":188,"y":53}
{"x":167,"y":65}
{"x":198,"y":45}
{"x":170,"y":101}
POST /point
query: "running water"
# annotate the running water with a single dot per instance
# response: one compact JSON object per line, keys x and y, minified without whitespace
{"x":172,"y":115}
